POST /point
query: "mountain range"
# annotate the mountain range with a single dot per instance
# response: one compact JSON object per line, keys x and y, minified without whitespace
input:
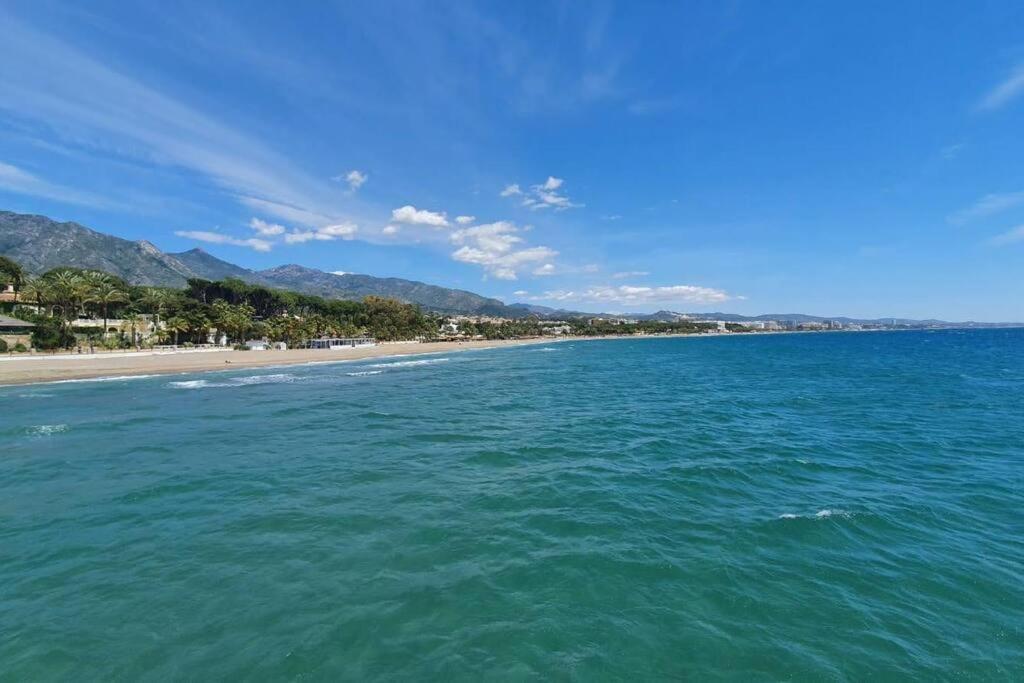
{"x":39,"y":244}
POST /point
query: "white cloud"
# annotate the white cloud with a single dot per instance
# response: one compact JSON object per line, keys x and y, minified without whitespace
{"x":328,"y":233}
{"x":218,"y":238}
{"x":266,"y":229}
{"x":354,"y":178}
{"x":1009,"y":237}
{"x":1005,"y":91}
{"x":339,"y":272}
{"x":630,"y":273}
{"x":20,"y":181}
{"x":630,"y":295}
{"x":988,"y":205}
{"x":413,"y":216}
{"x":99,"y":102}
{"x":493,"y":246}
{"x":465,"y":220}
{"x":520,"y":292}
{"x":300,"y":237}
{"x":543,"y":196}
{"x":345,"y":231}
{"x":390,"y":230}
{"x":546,"y":269}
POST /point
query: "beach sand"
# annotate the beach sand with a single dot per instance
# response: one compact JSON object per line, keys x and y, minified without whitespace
{"x":38,"y":368}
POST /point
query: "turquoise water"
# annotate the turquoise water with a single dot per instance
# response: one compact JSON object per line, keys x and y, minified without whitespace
{"x":790,"y":507}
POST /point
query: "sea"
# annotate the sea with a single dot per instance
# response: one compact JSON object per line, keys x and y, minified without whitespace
{"x":792,"y":507}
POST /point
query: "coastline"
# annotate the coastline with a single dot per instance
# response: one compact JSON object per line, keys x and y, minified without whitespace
{"x":63,"y":368}
{"x":39,"y":369}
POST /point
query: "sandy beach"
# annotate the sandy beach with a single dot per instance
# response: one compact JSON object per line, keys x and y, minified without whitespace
{"x":39,"y":368}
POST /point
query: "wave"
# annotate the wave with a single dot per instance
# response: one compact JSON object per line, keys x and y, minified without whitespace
{"x":820,"y":514}
{"x":115,"y":378}
{"x":364,"y":373}
{"x":233,"y":382}
{"x":545,"y":348}
{"x":264,"y":379}
{"x":408,"y":363}
{"x":47,"y":430}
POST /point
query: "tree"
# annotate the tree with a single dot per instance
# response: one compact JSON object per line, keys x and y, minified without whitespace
{"x":233,"y":320}
{"x":105,"y":293}
{"x":11,"y":273}
{"x":156,"y":299}
{"x":67,"y":290}
{"x":176,"y":324}
{"x":132,"y":322}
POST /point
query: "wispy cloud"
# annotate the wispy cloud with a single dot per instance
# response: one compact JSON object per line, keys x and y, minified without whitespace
{"x":266,"y":229}
{"x":546,"y":195}
{"x":988,"y":205}
{"x":625,"y":274}
{"x":413,"y":216}
{"x":47,"y":81}
{"x":1006,"y":91}
{"x":1009,"y":237}
{"x":630,"y":295}
{"x":20,"y":181}
{"x":220,"y":238}
{"x":328,"y":233}
{"x":495,"y":247}
{"x":354,"y":178}
{"x":465,"y":220}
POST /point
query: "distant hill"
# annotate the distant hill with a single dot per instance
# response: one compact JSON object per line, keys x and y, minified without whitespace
{"x":209,"y":267}
{"x":352,"y":286}
{"x":39,"y":244}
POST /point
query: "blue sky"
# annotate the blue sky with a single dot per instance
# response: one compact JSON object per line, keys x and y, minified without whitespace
{"x":860,"y":159}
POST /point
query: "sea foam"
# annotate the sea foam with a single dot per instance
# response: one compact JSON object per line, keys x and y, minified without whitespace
{"x":47,"y":430}
{"x":408,"y":363}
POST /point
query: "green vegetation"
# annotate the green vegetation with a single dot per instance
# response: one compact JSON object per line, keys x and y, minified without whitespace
{"x":66,"y":303}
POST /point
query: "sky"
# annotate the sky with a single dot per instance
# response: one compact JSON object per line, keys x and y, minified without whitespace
{"x":859,"y":159}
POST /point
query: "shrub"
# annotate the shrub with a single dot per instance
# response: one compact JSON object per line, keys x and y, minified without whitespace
{"x":49,"y":333}
{"x":3,"y":346}
{"x":20,"y":348}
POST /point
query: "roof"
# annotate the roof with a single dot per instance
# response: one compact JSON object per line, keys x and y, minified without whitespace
{"x":13,"y":322}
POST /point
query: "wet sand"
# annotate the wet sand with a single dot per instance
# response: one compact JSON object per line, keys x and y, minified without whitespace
{"x":38,"y":368}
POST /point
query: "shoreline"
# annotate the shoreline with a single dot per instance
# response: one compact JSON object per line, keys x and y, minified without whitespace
{"x":15,"y":371}
{"x":65,"y":368}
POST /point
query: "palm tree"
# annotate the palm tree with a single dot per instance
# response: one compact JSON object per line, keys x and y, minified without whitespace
{"x":105,"y":293}
{"x":156,"y":299}
{"x":132,"y":321}
{"x":35,"y":290}
{"x":176,"y":324}
{"x":67,"y":290}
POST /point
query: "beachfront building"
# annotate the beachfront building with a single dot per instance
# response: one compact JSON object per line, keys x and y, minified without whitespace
{"x":7,"y":292}
{"x":336,"y":343}
{"x":257,"y":345}
{"x":14,"y":331}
